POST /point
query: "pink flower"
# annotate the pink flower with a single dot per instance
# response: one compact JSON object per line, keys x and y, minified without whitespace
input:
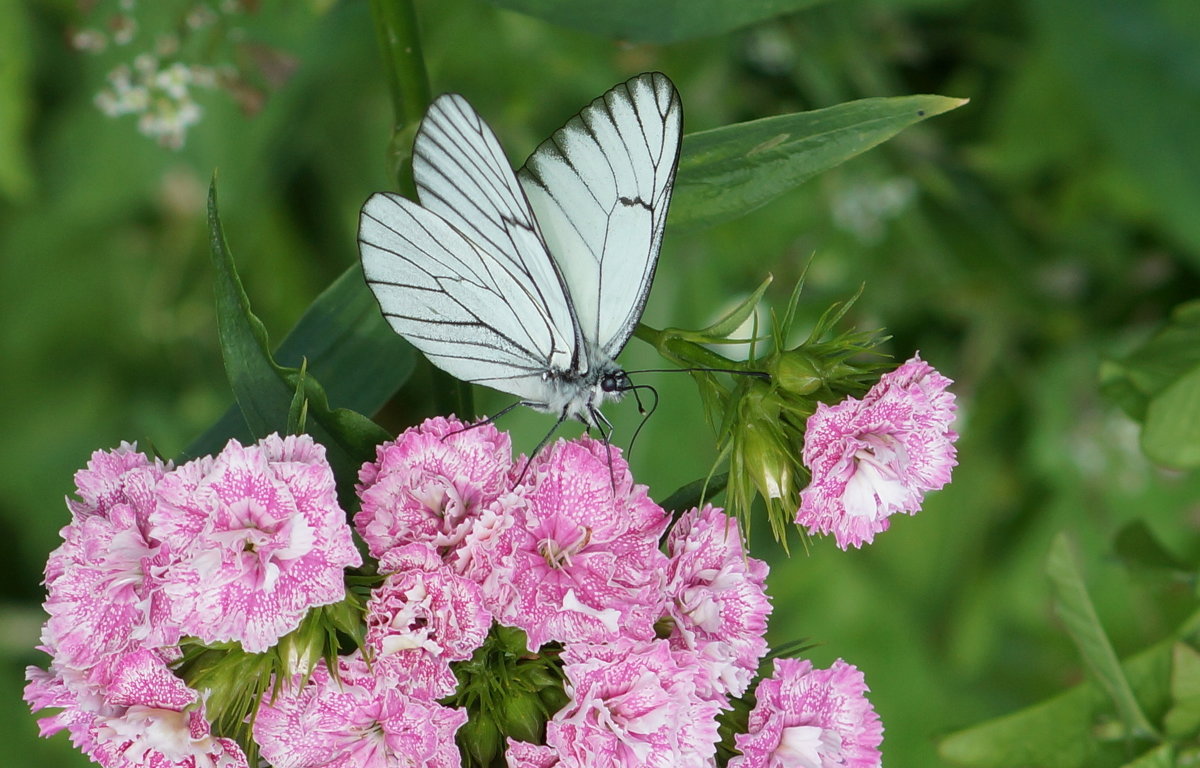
{"x":584,"y":562}
{"x":145,"y":716}
{"x":873,"y":458}
{"x":521,"y":754}
{"x":256,"y":537}
{"x":718,"y":601}
{"x":102,"y":592}
{"x":432,"y":485}
{"x":423,"y":617}
{"x":360,"y":719}
{"x":631,"y":704}
{"x":808,"y":718}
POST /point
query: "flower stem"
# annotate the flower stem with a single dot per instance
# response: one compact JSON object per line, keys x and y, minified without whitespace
{"x":400,"y":43}
{"x":399,"y":38}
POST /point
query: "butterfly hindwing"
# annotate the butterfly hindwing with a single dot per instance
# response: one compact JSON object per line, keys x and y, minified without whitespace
{"x":600,"y":189}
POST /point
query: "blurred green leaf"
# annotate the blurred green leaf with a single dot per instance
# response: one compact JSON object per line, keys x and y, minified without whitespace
{"x":264,"y":390}
{"x":1160,"y":757}
{"x":1138,"y":548}
{"x":1135,"y":65}
{"x":1160,"y":384}
{"x":727,"y":172}
{"x":1171,"y":435}
{"x":1074,"y":607}
{"x":16,"y":175}
{"x":654,"y":21}
{"x":694,"y":492}
{"x":1060,"y":731}
{"x":1183,"y":719}
{"x":341,"y":331}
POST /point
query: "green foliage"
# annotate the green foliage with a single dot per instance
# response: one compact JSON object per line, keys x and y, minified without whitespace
{"x":657,"y":21}
{"x":727,"y":172}
{"x":1159,"y":385}
{"x":1021,"y":244}
{"x":271,"y":396}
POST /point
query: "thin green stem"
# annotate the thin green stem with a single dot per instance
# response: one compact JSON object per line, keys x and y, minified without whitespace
{"x":678,"y":349}
{"x":404,"y":66}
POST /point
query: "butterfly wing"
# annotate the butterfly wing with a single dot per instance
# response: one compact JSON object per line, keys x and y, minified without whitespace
{"x":600,"y":188}
{"x":463,"y":176}
{"x":466,"y":277}
{"x":472,"y":317}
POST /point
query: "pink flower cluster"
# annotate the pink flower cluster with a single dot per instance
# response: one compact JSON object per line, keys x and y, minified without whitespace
{"x":652,"y":645}
{"x":232,"y":548}
{"x":874,"y":457}
{"x":566,"y":549}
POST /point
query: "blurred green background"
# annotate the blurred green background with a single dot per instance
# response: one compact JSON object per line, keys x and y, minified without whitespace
{"x":1015,"y":242}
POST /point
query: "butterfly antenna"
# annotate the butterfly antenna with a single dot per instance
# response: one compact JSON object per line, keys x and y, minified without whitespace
{"x":645,"y":413}
{"x":732,"y":371}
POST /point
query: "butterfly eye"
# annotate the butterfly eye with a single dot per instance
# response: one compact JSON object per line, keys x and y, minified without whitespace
{"x":614,"y":382}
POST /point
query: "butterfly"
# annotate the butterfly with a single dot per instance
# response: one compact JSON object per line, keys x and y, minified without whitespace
{"x":530,"y":283}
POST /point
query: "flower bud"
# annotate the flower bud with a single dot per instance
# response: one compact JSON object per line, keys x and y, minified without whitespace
{"x":524,"y":717}
{"x":794,"y":373}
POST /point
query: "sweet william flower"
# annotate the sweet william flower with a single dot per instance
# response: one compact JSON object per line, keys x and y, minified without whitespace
{"x":423,"y":617}
{"x":632,"y":703}
{"x":810,"y":718}
{"x":522,"y":754}
{"x":140,"y":714}
{"x":362,"y":718}
{"x":432,"y":485}
{"x":874,"y":457}
{"x":256,"y":537}
{"x":584,"y":562}
{"x":719,"y":604}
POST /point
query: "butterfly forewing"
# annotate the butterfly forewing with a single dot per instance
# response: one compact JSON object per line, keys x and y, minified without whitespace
{"x":600,"y":188}
{"x":463,"y":176}
{"x":472,"y":317}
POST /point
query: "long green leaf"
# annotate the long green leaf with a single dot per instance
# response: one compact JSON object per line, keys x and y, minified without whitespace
{"x":729,"y":171}
{"x":1061,"y":731}
{"x":264,"y":390}
{"x":1074,"y":607}
{"x":654,"y":21}
{"x":341,"y":332}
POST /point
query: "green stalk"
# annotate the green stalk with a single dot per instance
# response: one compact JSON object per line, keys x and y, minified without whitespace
{"x":404,"y":65}
{"x":672,"y":345}
{"x":399,"y":38}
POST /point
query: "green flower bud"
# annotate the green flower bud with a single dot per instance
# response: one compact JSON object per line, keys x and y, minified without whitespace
{"x":794,"y":373}
{"x":480,"y":739}
{"x":524,"y":717}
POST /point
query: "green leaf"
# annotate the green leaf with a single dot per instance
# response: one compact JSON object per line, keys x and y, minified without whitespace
{"x":1138,"y":548}
{"x":729,"y":171}
{"x":1074,"y":607}
{"x":1061,"y":731}
{"x":264,"y":390}
{"x":1171,"y":435}
{"x":1160,"y":384}
{"x":694,"y":492}
{"x":1162,"y":756}
{"x":1183,"y":719}
{"x":724,"y":328}
{"x":16,"y":102}
{"x":655,"y":21}
{"x":341,"y":331}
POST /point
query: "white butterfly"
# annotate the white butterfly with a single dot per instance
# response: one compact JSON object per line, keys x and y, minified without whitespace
{"x":530,"y":283}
